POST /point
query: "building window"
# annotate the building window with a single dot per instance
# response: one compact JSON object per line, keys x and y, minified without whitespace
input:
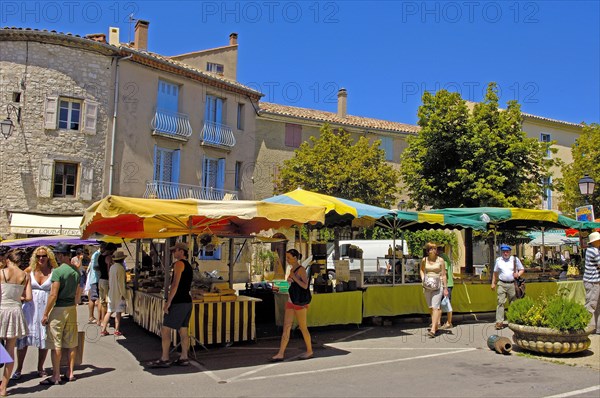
{"x":546,"y":138}
{"x":69,"y":114}
{"x":213,"y":175}
{"x":210,"y":253}
{"x":166,"y":164}
{"x":168,"y":96}
{"x":293,"y":135}
{"x":214,"y":109}
{"x":240,"y":116}
{"x":547,"y":182}
{"x":65,"y":180}
{"x":215,"y":68}
{"x":387,"y":144}
{"x":238,"y":176}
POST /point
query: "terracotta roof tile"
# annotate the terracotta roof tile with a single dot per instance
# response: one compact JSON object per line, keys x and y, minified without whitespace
{"x":333,"y":118}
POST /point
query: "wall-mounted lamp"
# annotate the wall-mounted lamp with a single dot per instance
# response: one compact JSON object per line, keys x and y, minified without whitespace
{"x":7,"y":125}
{"x":401,"y":205}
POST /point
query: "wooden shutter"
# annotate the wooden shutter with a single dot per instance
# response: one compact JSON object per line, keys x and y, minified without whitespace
{"x":45,"y":178}
{"x":220,"y":173}
{"x":51,"y":113}
{"x":87,"y":182}
{"x":175,"y":165}
{"x":289,"y":135}
{"x":297,"y":135}
{"x":90,"y":117}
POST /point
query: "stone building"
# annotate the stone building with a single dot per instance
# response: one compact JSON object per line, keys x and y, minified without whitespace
{"x":99,"y":117}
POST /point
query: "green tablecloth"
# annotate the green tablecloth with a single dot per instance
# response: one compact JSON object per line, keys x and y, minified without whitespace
{"x":326,"y":308}
{"x":409,"y":299}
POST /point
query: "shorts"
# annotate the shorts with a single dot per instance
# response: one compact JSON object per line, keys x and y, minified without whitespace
{"x":93,"y":293}
{"x":291,"y":306}
{"x":434,"y":297}
{"x":103,"y":291}
{"x":62,"y":328}
{"x":119,"y":306}
{"x":178,"y":316}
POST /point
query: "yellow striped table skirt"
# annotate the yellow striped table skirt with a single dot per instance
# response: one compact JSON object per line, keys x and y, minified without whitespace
{"x":210,"y":323}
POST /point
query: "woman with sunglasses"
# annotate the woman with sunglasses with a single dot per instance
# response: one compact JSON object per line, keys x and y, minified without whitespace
{"x":41,"y":264}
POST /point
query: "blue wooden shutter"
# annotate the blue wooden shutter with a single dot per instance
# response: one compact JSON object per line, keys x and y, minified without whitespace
{"x":220,"y":174}
{"x":175,"y":166}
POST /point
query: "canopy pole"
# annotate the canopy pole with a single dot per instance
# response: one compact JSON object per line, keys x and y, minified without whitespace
{"x":543,"y":253}
{"x":231,"y":263}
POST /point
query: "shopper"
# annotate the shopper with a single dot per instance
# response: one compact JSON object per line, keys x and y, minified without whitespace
{"x":433,"y":277}
{"x":591,"y":280}
{"x":116,"y":294}
{"x":16,"y":287}
{"x":42,"y":263}
{"x":298,"y":280}
{"x":506,"y":269}
{"x":177,"y":308}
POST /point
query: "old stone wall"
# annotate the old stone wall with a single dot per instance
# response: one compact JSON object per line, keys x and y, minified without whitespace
{"x":35,"y":71}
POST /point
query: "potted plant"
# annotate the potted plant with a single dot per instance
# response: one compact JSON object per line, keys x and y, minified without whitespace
{"x":264,"y":264}
{"x":550,"y":324}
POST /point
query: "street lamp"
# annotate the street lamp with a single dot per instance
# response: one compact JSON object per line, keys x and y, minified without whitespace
{"x":401,"y":205}
{"x":7,"y":125}
{"x":586,"y":187}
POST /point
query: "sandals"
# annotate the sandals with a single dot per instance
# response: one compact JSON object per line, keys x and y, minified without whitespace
{"x":104,"y":333}
{"x":15,"y":376}
{"x":446,"y":326}
{"x":159,"y":363}
{"x":118,"y":333}
{"x":91,"y":321}
{"x":49,"y":382}
{"x":305,"y":357}
{"x":181,"y":362}
{"x":65,"y":378}
{"x":431,"y":334}
{"x":42,"y":373}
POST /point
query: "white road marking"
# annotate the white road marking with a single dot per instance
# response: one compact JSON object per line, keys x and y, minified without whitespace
{"x":576,"y":392}
{"x":205,"y":371}
{"x":361,"y":365}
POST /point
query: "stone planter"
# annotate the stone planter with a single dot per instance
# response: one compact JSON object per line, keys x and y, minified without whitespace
{"x":550,"y":341}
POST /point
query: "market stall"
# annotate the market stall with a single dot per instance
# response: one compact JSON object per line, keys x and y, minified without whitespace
{"x":466,"y":297}
{"x":215,"y":318}
{"x":341,"y":308}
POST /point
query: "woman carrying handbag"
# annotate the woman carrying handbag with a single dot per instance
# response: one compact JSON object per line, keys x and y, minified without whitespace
{"x":296,"y":307}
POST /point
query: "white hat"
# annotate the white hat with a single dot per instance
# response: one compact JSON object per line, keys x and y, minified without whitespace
{"x":594,"y":236}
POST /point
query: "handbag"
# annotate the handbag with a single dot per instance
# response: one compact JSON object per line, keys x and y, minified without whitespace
{"x":446,"y":306}
{"x":298,"y":295}
{"x":519,"y":283}
{"x":431,"y":282}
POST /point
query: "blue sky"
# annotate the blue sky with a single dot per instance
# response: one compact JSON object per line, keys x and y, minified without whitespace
{"x":544,"y":54}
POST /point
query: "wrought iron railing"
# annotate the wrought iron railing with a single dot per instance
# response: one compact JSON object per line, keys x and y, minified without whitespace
{"x":217,"y":134}
{"x":172,"y":190}
{"x":171,"y":124}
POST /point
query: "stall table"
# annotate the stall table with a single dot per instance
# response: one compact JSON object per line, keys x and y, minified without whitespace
{"x":340,"y":308}
{"x":466,"y":297}
{"x":210,"y":323}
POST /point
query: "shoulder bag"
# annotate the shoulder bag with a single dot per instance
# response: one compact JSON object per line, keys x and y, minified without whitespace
{"x":298,"y":295}
{"x":519,"y":282}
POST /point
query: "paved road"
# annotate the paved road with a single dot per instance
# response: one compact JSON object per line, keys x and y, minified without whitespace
{"x":384,"y":361}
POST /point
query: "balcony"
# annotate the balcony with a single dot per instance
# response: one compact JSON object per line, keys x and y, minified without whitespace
{"x":173,"y":190}
{"x":171,"y":124}
{"x":217,"y":135}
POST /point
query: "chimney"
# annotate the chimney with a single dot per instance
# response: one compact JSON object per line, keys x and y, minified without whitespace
{"x":141,"y":35}
{"x":99,"y":37}
{"x":113,"y":36}
{"x":342,"y":102}
{"x":233,"y":39}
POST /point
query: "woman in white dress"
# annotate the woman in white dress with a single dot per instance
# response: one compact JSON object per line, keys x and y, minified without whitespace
{"x":15,"y":287}
{"x":41,"y":264}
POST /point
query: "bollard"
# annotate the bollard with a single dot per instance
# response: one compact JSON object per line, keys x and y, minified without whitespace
{"x":501,"y":345}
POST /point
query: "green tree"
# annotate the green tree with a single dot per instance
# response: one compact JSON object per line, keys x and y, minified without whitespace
{"x":472,"y":159}
{"x":586,"y":160}
{"x":335,"y":165}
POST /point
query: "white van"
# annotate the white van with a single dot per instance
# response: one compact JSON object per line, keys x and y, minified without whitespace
{"x":373,"y":255}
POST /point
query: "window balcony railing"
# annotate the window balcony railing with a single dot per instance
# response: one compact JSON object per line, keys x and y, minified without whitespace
{"x":171,"y":124}
{"x":216,"y":134}
{"x":173,"y":190}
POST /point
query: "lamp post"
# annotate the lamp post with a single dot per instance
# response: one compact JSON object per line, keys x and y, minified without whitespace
{"x":586,"y":187}
{"x":401,"y":205}
{"x":7,"y":125}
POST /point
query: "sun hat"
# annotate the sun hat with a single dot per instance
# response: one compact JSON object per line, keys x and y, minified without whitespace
{"x":594,"y":236}
{"x":119,"y":255}
{"x":63,"y":248}
{"x":179,"y":245}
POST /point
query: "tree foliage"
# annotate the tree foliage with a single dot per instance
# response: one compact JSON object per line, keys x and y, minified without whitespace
{"x":586,"y":160}
{"x":471,"y":159}
{"x":335,"y":165}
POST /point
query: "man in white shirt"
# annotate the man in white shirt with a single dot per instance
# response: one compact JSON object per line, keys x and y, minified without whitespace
{"x":505,"y":274}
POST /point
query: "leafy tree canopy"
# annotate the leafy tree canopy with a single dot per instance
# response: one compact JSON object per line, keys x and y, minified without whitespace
{"x":471,"y":159}
{"x":586,"y":160}
{"x":335,"y":165}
